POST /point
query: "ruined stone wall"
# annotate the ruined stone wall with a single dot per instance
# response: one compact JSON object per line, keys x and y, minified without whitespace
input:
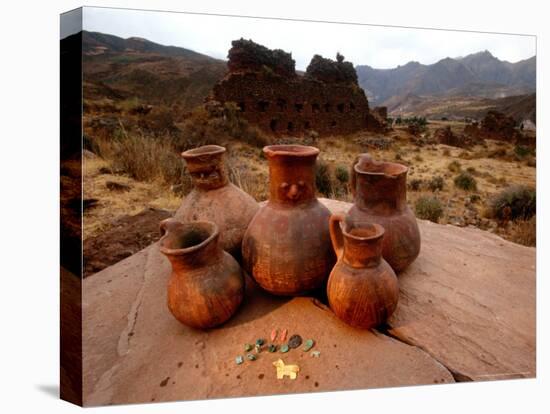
{"x":284,"y":103}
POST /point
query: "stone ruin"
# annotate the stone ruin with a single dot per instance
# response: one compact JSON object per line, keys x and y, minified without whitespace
{"x":325,"y":100}
{"x":495,"y":125}
{"x":448,"y":137}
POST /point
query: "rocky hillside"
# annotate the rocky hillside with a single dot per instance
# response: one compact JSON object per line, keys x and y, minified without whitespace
{"x":120,"y":69}
{"x":479,"y":74}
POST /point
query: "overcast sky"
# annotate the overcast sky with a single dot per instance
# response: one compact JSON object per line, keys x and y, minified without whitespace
{"x":379,"y":47}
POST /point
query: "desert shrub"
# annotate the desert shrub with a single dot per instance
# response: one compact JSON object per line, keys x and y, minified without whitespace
{"x":147,"y":159}
{"x":471,"y":170}
{"x":215,"y":123}
{"x":446,"y":152}
{"x":342,"y":174}
{"x":524,"y":232}
{"x":398,"y":156}
{"x":454,"y":166}
{"x":415,"y":184}
{"x":522,"y":151}
{"x":498,"y":153}
{"x":474,"y":198}
{"x":465,"y":181}
{"x":429,"y":208}
{"x":436,"y":183}
{"x":322,"y":178}
{"x":418,"y":158}
{"x":514,"y":202}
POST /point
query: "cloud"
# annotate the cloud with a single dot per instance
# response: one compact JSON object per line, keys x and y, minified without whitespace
{"x":376,"y":46}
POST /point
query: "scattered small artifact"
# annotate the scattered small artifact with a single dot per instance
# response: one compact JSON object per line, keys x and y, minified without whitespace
{"x":260,"y":342}
{"x":380,"y":196}
{"x":315,"y":354}
{"x":274,"y":244}
{"x":283,"y":335}
{"x":284,"y":348}
{"x":295,"y":341}
{"x":214,"y":198}
{"x":258,"y":348}
{"x":362,"y":288}
{"x":308,"y":344}
{"x":273,"y":335}
{"x":283,"y":370}
{"x":239,"y":360}
{"x":206,"y":286}
{"x":272,"y":348}
{"x":251,"y":357}
{"x":247,"y":347}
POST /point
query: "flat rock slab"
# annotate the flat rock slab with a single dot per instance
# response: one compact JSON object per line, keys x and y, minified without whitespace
{"x":476,"y":319}
{"x":469,"y":300}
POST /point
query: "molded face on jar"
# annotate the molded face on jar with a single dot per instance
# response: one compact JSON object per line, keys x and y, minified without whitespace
{"x":206,"y":167}
{"x":291,"y":173}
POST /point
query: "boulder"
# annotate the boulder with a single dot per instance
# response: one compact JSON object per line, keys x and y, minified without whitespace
{"x":467,"y":303}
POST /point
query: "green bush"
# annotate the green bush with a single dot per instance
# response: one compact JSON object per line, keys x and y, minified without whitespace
{"x":466,"y":181}
{"x":436,"y":183}
{"x":415,"y":184}
{"x":429,"y":208}
{"x":322,"y":178}
{"x":514,"y":202}
{"x":342,"y":174}
{"x":454,"y":166}
{"x":522,"y":151}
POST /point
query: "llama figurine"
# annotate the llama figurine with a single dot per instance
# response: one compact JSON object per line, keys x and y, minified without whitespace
{"x":288,"y":370}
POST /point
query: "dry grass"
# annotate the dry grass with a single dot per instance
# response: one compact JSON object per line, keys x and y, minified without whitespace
{"x":524,"y":232}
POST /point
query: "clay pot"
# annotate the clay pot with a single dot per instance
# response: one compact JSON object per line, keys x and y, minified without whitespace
{"x":214,"y":198}
{"x":380,"y":196}
{"x":207,"y":284}
{"x":287,"y":245}
{"x":362,"y":288}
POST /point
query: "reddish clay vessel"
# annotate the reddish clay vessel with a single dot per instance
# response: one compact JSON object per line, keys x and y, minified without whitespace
{"x":362,"y":288}
{"x":214,"y":198}
{"x":380,"y":196}
{"x":207,"y":284}
{"x":286,"y":247}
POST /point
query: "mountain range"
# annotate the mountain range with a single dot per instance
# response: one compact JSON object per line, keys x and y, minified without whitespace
{"x":476,"y":75}
{"x":120,"y":69}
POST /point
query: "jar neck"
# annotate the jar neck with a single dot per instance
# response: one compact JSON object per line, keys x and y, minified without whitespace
{"x":362,"y":253}
{"x":292,"y":180}
{"x":205,"y":255}
{"x":381,"y":193}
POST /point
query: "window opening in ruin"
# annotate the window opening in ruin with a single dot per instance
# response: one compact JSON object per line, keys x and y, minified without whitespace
{"x":333,"y":124}
{"x":307,"y":125}
{"x":327,"y":107}
{"x":281,"y":103}
{"x":315,"y":107}
{"x":263,"y":105}
{"x":340,"y":107}
{"x":273,"y":125}
{"x":290,"y":127}
{"x":351,"y":106}
{"x":299,"y":107}
{"x":241,"y":106}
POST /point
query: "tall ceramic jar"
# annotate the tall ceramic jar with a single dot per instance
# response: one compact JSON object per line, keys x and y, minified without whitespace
{"x":362,"y":288}
{"x":214,"y":198}
{"x":206,"y":286}
{"x":287,"y":245}
{"x":380,"y":196}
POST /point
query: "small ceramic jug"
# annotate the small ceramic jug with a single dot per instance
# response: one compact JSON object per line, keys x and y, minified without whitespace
{"x":214,"y":198}
{"x":206,"y":285}
{"x":380,"y":196}
{"x":362,"y":288}
{"x":286,"y":247}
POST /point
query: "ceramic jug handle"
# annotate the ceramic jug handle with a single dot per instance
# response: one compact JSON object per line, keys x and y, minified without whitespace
{"x":167,"y":225}
{"x":336,"y":235}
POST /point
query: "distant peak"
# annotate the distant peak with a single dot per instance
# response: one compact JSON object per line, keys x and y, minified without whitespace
{"x":138,"y":39}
